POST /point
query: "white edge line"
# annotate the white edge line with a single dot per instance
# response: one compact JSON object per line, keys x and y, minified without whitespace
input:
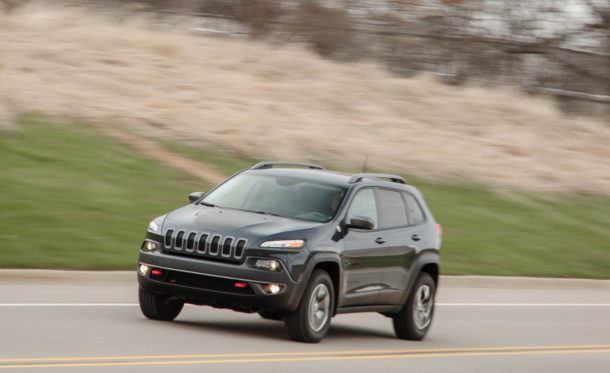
{"x":438,"y":304}
{"x":524,"y":304}
{"x":68,"y":304}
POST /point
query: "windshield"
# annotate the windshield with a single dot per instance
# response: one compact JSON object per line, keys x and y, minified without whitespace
{"x":278,"y":195}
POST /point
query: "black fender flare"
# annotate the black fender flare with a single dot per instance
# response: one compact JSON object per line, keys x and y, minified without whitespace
{"x":312,"y":263}
{"x":424,"y":258}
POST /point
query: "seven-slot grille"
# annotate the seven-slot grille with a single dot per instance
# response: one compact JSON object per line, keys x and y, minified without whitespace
{"x":204,"y":244}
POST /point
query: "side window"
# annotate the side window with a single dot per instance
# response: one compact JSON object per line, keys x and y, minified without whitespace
{"x":364,"y":205}
{"x":415,"y":212}
{"x":392,"y":209}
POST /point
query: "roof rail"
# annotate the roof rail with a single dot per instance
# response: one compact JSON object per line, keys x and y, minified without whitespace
{"x":273,"y":164}
{"x":393,"y":178}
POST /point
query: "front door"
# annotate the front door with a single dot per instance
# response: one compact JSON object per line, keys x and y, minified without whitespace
{"x":362,"y":255}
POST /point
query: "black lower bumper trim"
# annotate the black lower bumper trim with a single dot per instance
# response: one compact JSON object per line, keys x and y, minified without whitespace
{"x":220,"y":293}
{"x":203,"y":282}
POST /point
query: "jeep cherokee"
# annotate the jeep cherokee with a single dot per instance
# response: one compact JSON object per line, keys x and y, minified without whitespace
{"x":296,"y":243}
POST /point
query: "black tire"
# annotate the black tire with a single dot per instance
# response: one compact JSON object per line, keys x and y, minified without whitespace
{"x":407,"y":325}
{"x":269,"y":315}
{"x":298,"y":325}
{"x":159,"y":306}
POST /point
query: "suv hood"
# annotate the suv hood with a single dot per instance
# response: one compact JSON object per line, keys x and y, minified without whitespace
{"x":229,"y":222}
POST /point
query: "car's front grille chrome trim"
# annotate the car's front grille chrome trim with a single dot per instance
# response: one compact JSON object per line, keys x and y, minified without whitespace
{"x":204,"y":244}
{"x":190,"y":242}
{"x":179,"y":240}
{"x":240,"y":247}
{"x":227,"y":247}
{"x":168,"y":240}
{"x":215,"y":245}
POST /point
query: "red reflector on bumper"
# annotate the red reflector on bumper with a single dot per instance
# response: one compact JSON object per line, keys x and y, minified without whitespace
{"x":240,"y":285}
{"x":156,"y":272}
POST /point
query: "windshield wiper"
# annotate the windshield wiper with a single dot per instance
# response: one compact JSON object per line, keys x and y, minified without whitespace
{"x":207,"y":204}
{"x":264,"y":213}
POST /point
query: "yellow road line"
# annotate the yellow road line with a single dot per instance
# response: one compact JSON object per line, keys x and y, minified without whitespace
{"x":347,"y":355}
{"x":275,"y":354}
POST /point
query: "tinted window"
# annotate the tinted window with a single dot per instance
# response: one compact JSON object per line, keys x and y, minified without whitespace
{"x":415,"y":212}
{"x":391,"y":209}
{"x":364,"y":205}
{"x":278,"y":195}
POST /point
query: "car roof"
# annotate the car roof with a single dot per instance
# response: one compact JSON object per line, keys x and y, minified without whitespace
{"x":335,"y":178}
{"x":322,"y":176}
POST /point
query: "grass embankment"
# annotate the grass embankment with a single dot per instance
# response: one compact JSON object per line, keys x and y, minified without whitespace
{"x":72,"y":198}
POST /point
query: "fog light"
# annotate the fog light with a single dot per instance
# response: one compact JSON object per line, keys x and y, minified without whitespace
{"x":268,"y":264}
{"x":150,"y":246}
{"x":143,"y":269}
{"x":272,"y":288}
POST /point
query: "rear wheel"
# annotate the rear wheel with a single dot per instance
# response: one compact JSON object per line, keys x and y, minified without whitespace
{"x":311,"y":321}
{"x":159,"y":306}
{"x":415,"y":318}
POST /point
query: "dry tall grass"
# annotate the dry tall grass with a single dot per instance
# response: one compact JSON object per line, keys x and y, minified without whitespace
{"x":284,"y":102}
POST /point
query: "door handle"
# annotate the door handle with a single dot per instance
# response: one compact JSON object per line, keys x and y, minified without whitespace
{"x":380,"y":240}
{"x":415,"y":237}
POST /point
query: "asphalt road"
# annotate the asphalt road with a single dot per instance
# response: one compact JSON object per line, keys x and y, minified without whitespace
{"x":90,"y":322}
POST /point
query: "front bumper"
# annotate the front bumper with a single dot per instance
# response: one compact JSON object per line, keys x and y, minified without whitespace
{"x":212,"y":283}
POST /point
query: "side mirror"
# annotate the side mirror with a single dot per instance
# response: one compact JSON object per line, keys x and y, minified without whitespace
{"x":195,"y":196}
{"x":360,"y":222}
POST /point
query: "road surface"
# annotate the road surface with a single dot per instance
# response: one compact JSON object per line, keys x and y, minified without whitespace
{"x":90,"y":322}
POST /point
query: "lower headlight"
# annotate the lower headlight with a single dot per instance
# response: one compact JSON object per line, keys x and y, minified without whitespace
{"x":268,"y":264}
{"x":149,"y":246}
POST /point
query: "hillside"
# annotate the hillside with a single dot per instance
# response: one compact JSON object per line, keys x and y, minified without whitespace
{"x":72,"y":197}
{"x":281,"y":101}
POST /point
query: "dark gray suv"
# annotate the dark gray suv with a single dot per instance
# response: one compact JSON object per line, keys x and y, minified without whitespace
{"x":297,"y":243}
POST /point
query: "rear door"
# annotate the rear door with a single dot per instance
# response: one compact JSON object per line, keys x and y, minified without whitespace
{"x":401,"y":242}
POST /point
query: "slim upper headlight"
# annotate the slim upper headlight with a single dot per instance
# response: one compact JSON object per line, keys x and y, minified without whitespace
{"x":291,"y":244}
{"x":153,"y":227}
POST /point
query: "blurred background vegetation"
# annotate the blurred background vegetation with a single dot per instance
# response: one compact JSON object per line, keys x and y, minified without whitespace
{"x":71,"y":197}
{"x":92,"y":107}
{"x":556,"y":47}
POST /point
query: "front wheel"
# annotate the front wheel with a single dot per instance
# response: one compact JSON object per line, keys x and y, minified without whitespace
{"x":415,"y":318}
{"x":159,"y":306}
{"x":311,"y":321}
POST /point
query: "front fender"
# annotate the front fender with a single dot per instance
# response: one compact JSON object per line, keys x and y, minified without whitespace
{"x":316,"y":259}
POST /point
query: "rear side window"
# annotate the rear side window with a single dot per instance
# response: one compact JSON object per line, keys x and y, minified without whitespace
{"x":392,"y":211}
{"x":416,"y":214}
{"x":364,"y":206}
